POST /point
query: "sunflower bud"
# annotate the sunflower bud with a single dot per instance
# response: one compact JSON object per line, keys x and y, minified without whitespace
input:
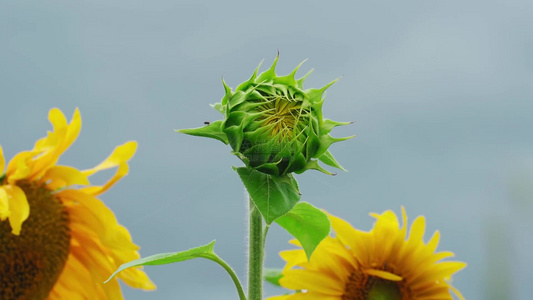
{"x":273,"y":125}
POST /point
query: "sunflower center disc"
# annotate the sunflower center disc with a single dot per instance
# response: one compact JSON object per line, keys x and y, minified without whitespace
{"x":31,"y":262}
{"x":363,"y":287}
{"x":281,"y":115}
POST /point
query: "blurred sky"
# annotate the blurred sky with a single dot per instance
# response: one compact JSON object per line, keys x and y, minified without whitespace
{"x":440,"y":92}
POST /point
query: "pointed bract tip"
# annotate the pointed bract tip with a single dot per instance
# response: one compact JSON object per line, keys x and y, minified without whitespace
{"x":293,"y":73}
{"x":344,"y":138}
{"x":301,"y":80}
{"x":274,"y":64}
{"x":226,"y":87}
{"x":329,"y":84}
{"x":254,"y":75}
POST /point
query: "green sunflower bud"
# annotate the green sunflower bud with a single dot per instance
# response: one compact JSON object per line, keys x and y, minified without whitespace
{"x":273,"y":125}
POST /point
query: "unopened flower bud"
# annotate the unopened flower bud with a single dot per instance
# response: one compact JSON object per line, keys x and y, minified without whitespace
{"x":273,"y":125}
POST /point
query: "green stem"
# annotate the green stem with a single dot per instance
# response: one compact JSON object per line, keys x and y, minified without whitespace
{"x":265,"y":234}
{"x":255,"y":254}
{"x":231,"y":273}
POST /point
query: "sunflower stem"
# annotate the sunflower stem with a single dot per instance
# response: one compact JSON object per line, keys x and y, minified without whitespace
{"x":231,"y":273}
{"x":255,"y":254}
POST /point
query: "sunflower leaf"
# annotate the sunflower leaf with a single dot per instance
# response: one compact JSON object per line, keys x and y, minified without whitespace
{"x":205,"y":251}
{"x":308,"y":224}
{"x":273,"y":276}
{"x":168,"y":258}
{"x":274,"y":196}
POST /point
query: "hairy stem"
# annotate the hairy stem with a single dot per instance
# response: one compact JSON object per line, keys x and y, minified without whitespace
{"x":255,"y":254}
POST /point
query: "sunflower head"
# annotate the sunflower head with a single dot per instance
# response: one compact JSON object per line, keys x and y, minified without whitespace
{"x":384,"y":263}
{"x":57,"y":239}
{"x":273,"y":125}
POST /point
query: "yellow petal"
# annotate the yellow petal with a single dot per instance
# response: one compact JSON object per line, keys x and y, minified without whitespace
{"x":345,"y":232}
{"x":383,"y":274}
{"x":418,"y":228}
{"x":2,"y":161}
{"x":433,"y":242}
{"x":57,"y":141}
{"x":457,"y":293}
{"x":121,"y":154}
{"x":388,"y":217}
{"x":93,"y":256}
{"x":60,"y":292}
{"x":73,"y":281}
{"x":122,"y":171}
{"x":62,"y":176}
{"x":89,"y":212}
{"x":293,"y":257}
{"x":73,"y":130}
{"x":311,"y":295}
{"x":295,"y":242}
{"x":311,"y":280}
{"x":19,"y":207}
{"x":119,"y":157}
{"x":441,"y":270}
{"x":284,"y":297}
{"x":304,"y":296}
{"x":57,"y":118}
{"x":136,"y":278}
{"x":356,"y":240}
{"x":18,"y":167}
{"x":404,"y":218}
{"x":4,"y":204}
{"x":326,"y":259}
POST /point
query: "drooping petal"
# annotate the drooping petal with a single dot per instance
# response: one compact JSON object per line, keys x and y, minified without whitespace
{"x":58,"y":177}
{"x":119,"y":157}
{"x":19,"y":167}
{"x":120,"y":154}
{"x":122,"y":171}
{"x":73,"y":282}
{"x":2,"y":161}
{"x":90,"y":217}
{"x":18,"y":207}
{"x":57,"y":142}
{"x":4,"y":204}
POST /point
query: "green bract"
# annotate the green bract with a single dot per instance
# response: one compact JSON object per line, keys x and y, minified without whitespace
{"x":273,"y":125}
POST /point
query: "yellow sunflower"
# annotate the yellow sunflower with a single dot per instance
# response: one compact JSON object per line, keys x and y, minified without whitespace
{"x":381,"y":264}
{"x":57,"y":240}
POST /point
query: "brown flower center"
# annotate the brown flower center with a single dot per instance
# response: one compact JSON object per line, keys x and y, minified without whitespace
{"x":31,"y":262}
{"x":361,"y":286}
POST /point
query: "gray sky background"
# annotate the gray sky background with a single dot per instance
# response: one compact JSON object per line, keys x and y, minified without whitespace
{"x":440,"y":92}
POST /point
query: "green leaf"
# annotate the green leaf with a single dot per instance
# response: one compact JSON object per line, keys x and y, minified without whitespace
{"x":205,"y":251}
{"x":274,"y":196}
{"x":273,"y":276}
{"x":308,"y":224}
{"x":213,"y":130}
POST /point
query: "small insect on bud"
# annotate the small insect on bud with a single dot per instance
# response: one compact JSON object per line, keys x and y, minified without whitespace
{"x":273,"y":125}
